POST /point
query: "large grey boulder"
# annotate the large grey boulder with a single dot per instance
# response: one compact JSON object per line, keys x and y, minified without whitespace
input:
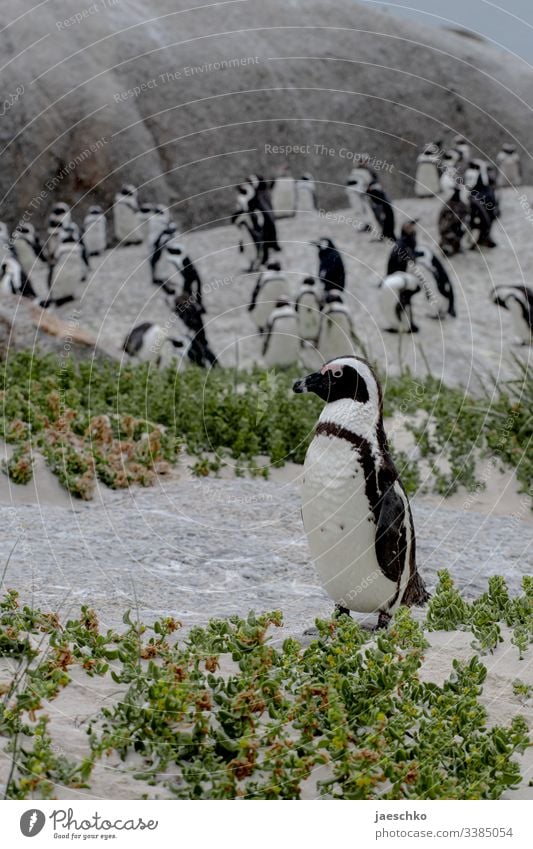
{"x":182,"y":99}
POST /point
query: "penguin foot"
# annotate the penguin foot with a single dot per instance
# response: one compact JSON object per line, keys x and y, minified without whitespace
{"x":383,"y":620}
{"x":413,"y":329}
{"x":452,"y":313}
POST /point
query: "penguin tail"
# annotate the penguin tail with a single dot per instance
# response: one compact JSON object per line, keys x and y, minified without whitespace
{"x":415,"y":592}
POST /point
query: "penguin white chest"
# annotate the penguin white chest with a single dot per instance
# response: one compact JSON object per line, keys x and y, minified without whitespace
{"x":340,"y":526}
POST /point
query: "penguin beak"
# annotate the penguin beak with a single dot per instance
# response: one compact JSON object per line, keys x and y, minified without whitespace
{"x":316,"y":382}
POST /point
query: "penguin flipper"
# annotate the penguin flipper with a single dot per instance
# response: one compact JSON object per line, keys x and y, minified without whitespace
{"x":390,"y":541}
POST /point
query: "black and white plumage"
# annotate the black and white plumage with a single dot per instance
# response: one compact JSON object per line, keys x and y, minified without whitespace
{"x":381,"y":205}
{"x":437,"y":284}
{"x":95,"y":231}
{"x":126,"y":218}
{"x":396,"y":293}
{"x":427,"y":177}
{"x":308,"y":310}
{"x":69,"y":267}
{"x":147,"y":341}
{"x":6,"y":248}
{"x":60,"y":214}
{"x":518,"y":300}
{"x":509,"y":168}
{"x":281,"y":347}
{"x":174,"y":256}
{"x":336,"y":328}
{"x":13,"y":280}
{"x":249,"y":223}
{"x":27,"y":246}
{"x":356,"y":189}
{"x":331,"y":270}
{"x":483,"y":202}
{"x":355,"y":511}
{"x":306,"y":194}
{"x":270,"y":288}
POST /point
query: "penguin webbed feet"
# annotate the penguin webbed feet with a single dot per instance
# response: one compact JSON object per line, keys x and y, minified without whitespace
{"x":384,"y":620}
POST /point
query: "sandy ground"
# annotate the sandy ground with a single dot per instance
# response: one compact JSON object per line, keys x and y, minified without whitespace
{"x":201,"y":548}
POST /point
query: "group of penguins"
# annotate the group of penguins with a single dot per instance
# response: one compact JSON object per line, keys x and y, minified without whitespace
{"x":67,"y":252}
{"x":316,"y":315}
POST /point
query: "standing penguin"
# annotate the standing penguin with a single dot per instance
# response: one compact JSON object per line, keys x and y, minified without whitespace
{"x":483,"y":202}
{"x":95,"y":231}
{"x":382,"y":208}
{"x":519,"y":301}
{"x":306,"y":194}
{"x":427,"y":178}
{"x":157,"y":223}
{"x":161,"y":268}
{"x":281,"y":347}
{"x":60,"y":214}
{"x":191,"y":313}
{"x":437,"y":286}
{"x":404,"y":251}
{"x":146,"y":343}
{"x":307,"y":307}
{"x":27,"y":246}
{"x":453,"y":222}
{"x":249,"y":224}
{"x":5,"y":243}
{"x":174,"y":255}
{"x":270,"y":287}
{"x":509,"y":170}
{"x":13,"y":280}
{"x":69,"y":269}
{"x":356,"y":189}
{"x":336,"y":329}
{"x":126,"y":217}
{"x":262,"y":202}
{"x":330,"y":266}
{"x":355,"y":511}
{"x":395,"y":294}
{"x":284,"y":196}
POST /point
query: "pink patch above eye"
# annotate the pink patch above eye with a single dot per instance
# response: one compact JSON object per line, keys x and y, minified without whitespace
{"x":335,"y":370}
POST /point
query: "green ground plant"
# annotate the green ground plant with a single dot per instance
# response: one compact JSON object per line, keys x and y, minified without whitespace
{"x":125,"y":425}
{"x":226,"y":712}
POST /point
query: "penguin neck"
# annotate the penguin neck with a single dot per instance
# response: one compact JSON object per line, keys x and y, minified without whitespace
{"x":358,"y":418}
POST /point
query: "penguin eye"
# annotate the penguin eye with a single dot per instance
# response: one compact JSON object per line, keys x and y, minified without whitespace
{"x":337,"y":372}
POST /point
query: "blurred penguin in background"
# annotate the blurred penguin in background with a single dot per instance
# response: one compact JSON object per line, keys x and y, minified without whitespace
{"x":249,"y":224}
{"x":191,"y":313}
{"x":381,"y":206}
{"x":518,"y":300}
{"x":404,"y":251}
{"x":306,"y":194}
{"x":308,"y":308}
{"x":95,"y":231}
{"x":509,"y":169}
{"x":69,"y":268}
{"x":148,"y":341}
{"x":437,"y":285}
{"x":126,"y":218}
{"x":284,"y":194}
{"x":262,"y":202}
{"x":270,"y":287}
{"x":427,"y":177}
{"x":13,"y":281}
{"x":281,"y":347}
{"x":331,"y":270}
{"x":5,"y":243}
{"x":162,"y":269}
{"x":483,"y":203}
{"x":337,"y":335}
{"x":396,"y":293}
{"x":356,"y":189}
{"x":27,"y":247}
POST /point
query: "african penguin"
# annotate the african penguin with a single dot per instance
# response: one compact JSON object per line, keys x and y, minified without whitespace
{"x":355,"y":511}
{"x":437,"y":285}
{"x":95,"y":231}
{"x":10,"y":276}
{"x":187,"y":308}
{"x":519,"y":301}
{"x":69,"y":268}
{"x":396,"y":292}
{"x":381,"y":206}
{"x":27,"y":246}
{"x":356,"y":188}
{"x":336,"y":328}
{"x":281,"y":347}
{"x":284,"y":200}
{"x":270,"y":287}
{"x":427,"y":176}
{"x":307,"y":307}
{"x":147,"y":341}
{"x":331,"y":270}
{"x":249,"y":224}
{"x":126,"y":218}
{"x":5,"y":243}
{"x":306,"y":195}
{"x":509,"y":169}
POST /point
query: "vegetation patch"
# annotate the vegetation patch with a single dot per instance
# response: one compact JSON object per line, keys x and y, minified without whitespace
{"x":124,"y":425}
{"x":225,"y":713}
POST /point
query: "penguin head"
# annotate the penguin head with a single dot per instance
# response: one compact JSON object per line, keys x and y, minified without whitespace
{"x":324,"y":244}
{"x":344,"y":378}
{"x":60,"y":209}
{"x":128,"y":190}
{"x":95,"y":210}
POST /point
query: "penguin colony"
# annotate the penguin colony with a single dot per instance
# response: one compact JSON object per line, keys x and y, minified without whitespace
{"x":355,"y":511}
